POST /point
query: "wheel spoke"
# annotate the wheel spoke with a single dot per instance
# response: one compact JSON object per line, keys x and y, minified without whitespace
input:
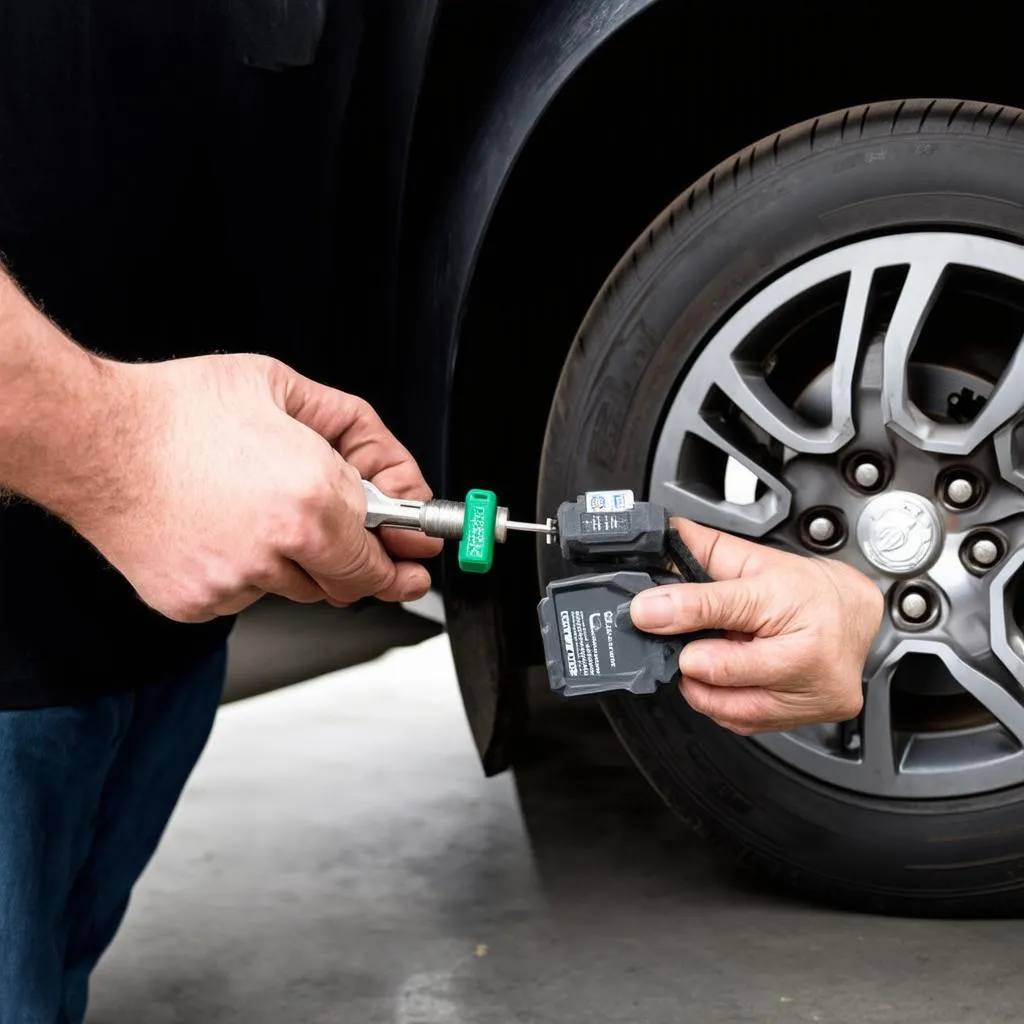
{"x":700,"y":502}
{"x":878,"y":757}
{"x":1005,"y":636}
{"x":1009,"y":445}
{"x":851,"y":332}
{"x":916,"y":298}
{"x":746,"y":385}
{"x":882,"y":755}
{"x":749,"y":389}
{"x":1004,"y":403}
{"x":1006,"y":707}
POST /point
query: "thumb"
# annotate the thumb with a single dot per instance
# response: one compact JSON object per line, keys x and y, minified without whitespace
{"x":688,"y":607}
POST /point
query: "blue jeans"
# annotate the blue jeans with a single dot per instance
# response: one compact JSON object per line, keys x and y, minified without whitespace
{"x":85,"y":794}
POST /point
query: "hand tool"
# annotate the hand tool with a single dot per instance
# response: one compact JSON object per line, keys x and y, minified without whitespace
{"x":477,"y":523}
{"x":590,"y":643}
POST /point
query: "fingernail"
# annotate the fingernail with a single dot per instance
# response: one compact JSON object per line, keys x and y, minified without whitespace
{"x":694,"y":663}
{"x":652,"y":611}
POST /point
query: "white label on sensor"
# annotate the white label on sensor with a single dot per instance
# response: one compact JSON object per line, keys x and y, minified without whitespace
{"x":608,"y":501}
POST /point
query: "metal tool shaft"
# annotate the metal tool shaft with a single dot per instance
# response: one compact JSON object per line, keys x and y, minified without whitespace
{"x":547,"y":528}
{"x":436,"y":518}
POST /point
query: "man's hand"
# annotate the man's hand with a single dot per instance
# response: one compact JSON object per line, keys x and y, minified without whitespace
{"x":207,"y":482}
{"x":797,"y":633}
{"x":238,"y":477}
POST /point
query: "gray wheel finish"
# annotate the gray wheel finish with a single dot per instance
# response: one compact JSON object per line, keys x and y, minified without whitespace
{"x":944,"y":689}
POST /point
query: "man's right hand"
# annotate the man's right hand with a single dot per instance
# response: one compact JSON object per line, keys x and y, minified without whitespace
{"x":233,"y":477}
{"x":797,"y":631}
{"x":207,"y":482}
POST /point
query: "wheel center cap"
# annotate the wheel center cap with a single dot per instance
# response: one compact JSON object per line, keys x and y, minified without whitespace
{"x":899,"y":532}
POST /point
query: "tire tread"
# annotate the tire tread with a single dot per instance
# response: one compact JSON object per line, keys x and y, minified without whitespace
{"x":944,"y":116}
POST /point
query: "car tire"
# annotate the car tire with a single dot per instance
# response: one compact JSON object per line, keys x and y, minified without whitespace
{"x":862,"y":173}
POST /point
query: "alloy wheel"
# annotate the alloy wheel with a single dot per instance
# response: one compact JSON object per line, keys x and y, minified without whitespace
{"x":866,"y":406}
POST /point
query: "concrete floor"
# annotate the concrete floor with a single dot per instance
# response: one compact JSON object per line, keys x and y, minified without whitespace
{"x":340,"y":858}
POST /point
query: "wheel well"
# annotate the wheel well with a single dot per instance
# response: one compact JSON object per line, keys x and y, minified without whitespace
{"x":668,"y":97}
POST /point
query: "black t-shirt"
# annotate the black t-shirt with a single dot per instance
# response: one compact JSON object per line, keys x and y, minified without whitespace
{"x":166,"y":184}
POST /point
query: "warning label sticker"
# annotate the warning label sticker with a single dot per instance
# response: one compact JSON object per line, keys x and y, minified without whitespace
{"x":588,"y":642}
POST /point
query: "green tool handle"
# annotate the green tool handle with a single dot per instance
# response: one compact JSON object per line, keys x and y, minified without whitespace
{"x":479,"y":523}
{"x":476,"y":523}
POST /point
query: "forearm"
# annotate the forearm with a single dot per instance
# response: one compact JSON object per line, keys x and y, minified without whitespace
{"x":60,"y":410}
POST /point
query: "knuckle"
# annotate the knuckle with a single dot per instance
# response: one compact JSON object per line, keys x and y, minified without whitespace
{"x":314,"y":493}
{"x":851,"y":703}
{"x":265,"y":373}
{"x":190,"y":604}
{"x":738,"y":605}
{"x":384,"y":574}
{"x":220,"y":578}
{"x":292,"y":533}
{"x":361,"y":408}
{"x":703,"y":602}
{"x":713,"y":672}
{"x":224,"y":582}
{"x":264,"y":568}
{"x":406,"y":481}
{"x":353,"y":497}
{"x":697,"y":699}
{"x":182,"y":611}
{"x":708,"y":603}
{"x":370,"y":575}
{"x":727,"y":670}
{"x":738,"y":728}
{"x":268,"y":366}
{"x":177,"y":609}
{"x":849,"y":711}
{"x":872,"y":601}
{"x":316,"y":490}
{"x":759,"y":711}
{"x":361,"y":570}
{"x":746,"y":720}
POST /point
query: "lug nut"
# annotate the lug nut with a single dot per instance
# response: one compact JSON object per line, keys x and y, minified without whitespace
{"x":914,"y":606}
{"x":866,"y":474}
{"x":821,"y":529}
{"x":985,"y":552}
{"x":981,"y":551}
{"x":959,"y":491}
